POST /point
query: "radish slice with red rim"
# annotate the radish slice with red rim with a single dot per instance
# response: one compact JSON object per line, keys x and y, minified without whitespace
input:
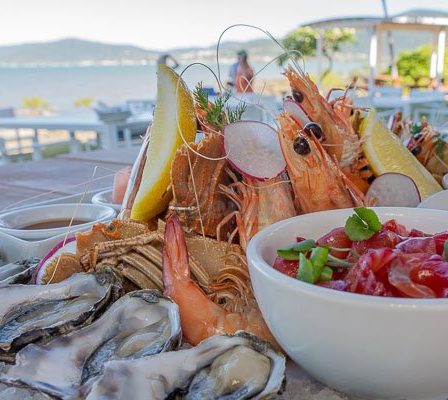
{"x":393,"y":189}
{"x":253,"y":148}
{"x":295,"y":111}
{"x":64,"y":246}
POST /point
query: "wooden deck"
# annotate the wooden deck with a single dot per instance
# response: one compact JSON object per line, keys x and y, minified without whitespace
{"x":31,"y":182}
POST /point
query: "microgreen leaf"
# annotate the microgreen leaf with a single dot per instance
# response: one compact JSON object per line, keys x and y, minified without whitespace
{"x":445,"y":250}
{"x":362,"y":225}
{"x":293,"y":252}
{"x":369,"y":217}
{"x":305,"y":271}
{"x":326,"y":274}
{"x":319,"y":257}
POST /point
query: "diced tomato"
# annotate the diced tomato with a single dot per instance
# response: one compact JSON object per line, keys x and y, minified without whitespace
{"x":433,"y":273}
{"x":395,"y":227}
{"x":361,"y":279}
{"x":440,"y":239}
{"x":382,"y":239}
{"x":286,"y":267}
{"x":336,"y":238}
{"x":300,"y":239}
{"x":400,"y":276}
{"x":340,"y":285}
{"x":417,"y":233}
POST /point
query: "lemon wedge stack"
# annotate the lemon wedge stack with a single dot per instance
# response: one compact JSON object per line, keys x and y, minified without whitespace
{"x":386,"y":153}
{"x":173,"y":99}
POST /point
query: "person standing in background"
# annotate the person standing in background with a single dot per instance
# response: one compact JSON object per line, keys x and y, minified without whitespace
{"x":241,"y":74}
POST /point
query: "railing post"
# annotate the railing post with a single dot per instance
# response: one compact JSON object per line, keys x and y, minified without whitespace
{"x":37,"y":148}
{"x":73,"y":143}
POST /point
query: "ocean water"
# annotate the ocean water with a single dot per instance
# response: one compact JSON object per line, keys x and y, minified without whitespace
{"x":61,"y":86}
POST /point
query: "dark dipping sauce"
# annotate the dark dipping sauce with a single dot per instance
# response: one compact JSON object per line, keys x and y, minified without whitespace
{"x":57,"y":223}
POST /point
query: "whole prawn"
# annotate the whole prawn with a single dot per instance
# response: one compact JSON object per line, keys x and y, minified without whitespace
{"x":259,"y":204}
{"x":317,"y":181}
{"x":200,"y":316}
{"x":341,"y":140}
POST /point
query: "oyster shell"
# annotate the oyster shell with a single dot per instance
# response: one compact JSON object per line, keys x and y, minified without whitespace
{"x":139,"y":324}
{"x":226,"y":367}
{"x":30,"y":313}
{"x":11,"y":389}
{"x":18,"y":272}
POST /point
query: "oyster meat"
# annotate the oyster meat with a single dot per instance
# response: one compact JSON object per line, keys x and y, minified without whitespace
{"x":225,"y":367}
{"x":18,"y":272}
{"x":30,"y":313}
{"x":141,"y":323}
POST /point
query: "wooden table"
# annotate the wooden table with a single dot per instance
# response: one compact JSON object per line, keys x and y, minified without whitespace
{"x":36,"y":181}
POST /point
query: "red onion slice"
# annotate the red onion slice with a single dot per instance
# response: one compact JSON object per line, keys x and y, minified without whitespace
{"x":68,"y":247}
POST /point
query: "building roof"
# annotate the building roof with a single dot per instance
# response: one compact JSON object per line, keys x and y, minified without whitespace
{"x":421,"y":19}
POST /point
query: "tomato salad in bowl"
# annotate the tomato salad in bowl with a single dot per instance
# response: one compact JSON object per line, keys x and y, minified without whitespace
{"x":367,"y":256}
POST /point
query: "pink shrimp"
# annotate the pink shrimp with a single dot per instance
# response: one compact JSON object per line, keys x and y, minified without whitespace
{"x":200,"y":317}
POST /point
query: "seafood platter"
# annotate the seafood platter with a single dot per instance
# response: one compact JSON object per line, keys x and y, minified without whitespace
{"x":158,"y":303}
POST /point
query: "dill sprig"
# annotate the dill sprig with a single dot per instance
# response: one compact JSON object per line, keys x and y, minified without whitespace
{"x":217,"y":113}
{"x":416,"y":129}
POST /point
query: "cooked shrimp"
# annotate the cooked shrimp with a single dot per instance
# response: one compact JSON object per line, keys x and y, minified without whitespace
{"x":200,"y":317}
{"x":259,"y":204}
{"x":341,"y":140}
{"x":317,"y":181}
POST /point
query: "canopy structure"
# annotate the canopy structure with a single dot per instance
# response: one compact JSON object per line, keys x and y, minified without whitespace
{"x":414,"y":20}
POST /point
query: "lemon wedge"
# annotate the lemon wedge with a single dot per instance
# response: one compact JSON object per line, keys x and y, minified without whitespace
{"x":386,"y":153}
{"x":173,"y":99}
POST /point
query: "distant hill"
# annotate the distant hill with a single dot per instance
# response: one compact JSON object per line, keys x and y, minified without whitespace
{"x":79,"y":52}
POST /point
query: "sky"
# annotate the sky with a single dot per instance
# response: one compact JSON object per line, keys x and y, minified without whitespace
{"x":166,"y":24}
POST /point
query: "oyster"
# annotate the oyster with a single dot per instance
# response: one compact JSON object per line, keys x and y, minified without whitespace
{"x":18,"y":272}
{"x":11,"y":389}
{"x":30,"y":313}
{"x":226,"y":367}
{"x":139,"y":324}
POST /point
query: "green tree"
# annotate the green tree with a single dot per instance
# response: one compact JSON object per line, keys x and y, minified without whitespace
{"x":303,"y":43}
{"x":414,"y":65}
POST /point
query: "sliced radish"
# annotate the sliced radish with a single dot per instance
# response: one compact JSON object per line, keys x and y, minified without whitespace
{"x":68,"y":247}
{"x":292,"y":108}
{"x":394,"y":190}
{"x":253,"y":149}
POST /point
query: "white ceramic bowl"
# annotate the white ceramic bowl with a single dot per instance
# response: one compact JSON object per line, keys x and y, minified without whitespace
{"x":374,"y":347}
{"x":12,"y":221}
{"x":105,"y":198}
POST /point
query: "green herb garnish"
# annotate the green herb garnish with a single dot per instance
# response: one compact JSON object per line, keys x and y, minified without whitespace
{"x":310,"y":270}
{"x":362,"y":225}
{"x":326,"y":274}
{"x":217,"y":113}
{"x":305,"y":271}
{"x":445,"y":250}
{"x":416,"y":129}
{"x":293,"y":252}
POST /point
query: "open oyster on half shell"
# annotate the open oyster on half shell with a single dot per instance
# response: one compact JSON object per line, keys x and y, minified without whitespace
{"x":18,"y":272}
{"x":221,"y":367}
{"x":139,"y":324}
{"x":30,"y":313}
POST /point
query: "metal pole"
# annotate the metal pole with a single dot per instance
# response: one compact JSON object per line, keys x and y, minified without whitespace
{"x":441,"y":43}
{"x":390,"y":42}
{"x":373,"y":52}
